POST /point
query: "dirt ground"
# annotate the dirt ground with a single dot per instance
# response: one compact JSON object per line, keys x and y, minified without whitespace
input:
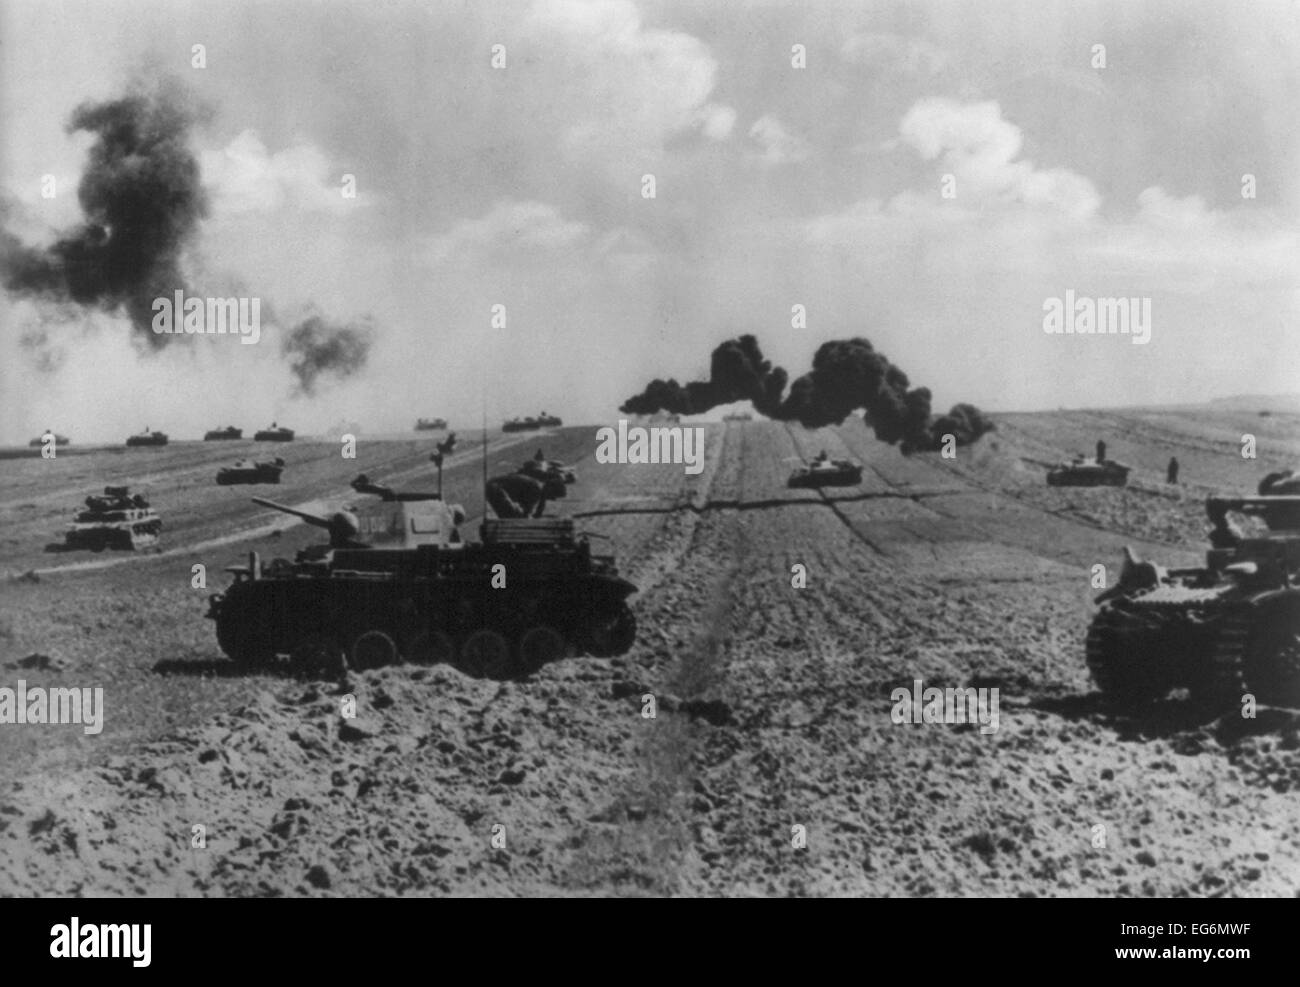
{"x":772,"y":765}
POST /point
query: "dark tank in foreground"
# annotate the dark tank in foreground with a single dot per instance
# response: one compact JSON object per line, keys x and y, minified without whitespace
{"x":397,"y":581}
{"x":115,"y":519}
{"x":1221,"y":631}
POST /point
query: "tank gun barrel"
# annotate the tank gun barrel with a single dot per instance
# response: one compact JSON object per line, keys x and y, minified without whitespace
{"x":1216,"y":507}
{"x":315,"y":519}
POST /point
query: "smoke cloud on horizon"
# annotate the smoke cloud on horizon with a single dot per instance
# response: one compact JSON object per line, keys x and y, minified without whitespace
{"x":846,"y":375}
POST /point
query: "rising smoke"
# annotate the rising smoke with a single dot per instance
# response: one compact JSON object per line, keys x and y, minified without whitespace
{"x":143,"y":200}
{"x":846,"y":375}
{"x":316,"y":349}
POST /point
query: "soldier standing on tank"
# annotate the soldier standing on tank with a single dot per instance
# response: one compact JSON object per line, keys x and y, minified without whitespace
{"x":1171,"y":475}
{"x":1101,"y":450}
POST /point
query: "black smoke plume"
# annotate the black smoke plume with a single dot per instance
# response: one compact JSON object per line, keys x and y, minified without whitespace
{"x":142,"y":198}
{"x":846,"y":375}
{"x":317,"y":348}
{"x":143,"y":201}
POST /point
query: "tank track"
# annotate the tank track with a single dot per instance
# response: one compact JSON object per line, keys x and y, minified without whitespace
{"x":1124,"y":674}
{"x":1272,"y":667}
{"x":1219,"y":677}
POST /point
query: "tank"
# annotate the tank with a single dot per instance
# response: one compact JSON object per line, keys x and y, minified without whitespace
{"x":528,"y":424}
{"x":1218,"y":631}
{"x":1086,"y":471}
{"x":115,"y":519}
{"x":223,"y":434}
{"x":430,"y":424}
{"x":826,"y":472}
{"x":276,"y":433}
{"x":148,"y":438}
{"x":251,"y":471}
{"x":397,"y":582}
{"x":59,"y":441}
{"x":543,"y":469}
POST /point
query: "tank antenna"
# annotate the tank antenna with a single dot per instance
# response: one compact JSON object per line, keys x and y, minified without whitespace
{"x":483,"y":396}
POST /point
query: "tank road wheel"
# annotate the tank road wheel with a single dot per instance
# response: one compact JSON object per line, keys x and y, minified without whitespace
{"x":1217,"y":680}
{"x":485,"y":654}
{"x":539,"y":646}
{"x":372,"y":649}
{"x":319,"y":654}
{"x":1273,"y":660}
{"x":609,"y":632}
{"x":429,"y":648}
{"x":1123,"y":659}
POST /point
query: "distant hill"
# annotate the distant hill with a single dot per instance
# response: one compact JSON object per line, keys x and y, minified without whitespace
{"x":1258,"y":402}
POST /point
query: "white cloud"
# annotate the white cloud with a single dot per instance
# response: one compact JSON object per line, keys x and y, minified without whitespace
{"x":1157,"y":207}
{"x":980,"y":149}
{"x":778,"y":146}
{"x":716,"y":121}
{"x":628,"y":87}
{"x":243,"y":177}
{"x":509,"y":224}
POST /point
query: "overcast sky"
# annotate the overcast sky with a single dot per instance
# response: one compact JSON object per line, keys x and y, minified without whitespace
{"x":775,"y":186}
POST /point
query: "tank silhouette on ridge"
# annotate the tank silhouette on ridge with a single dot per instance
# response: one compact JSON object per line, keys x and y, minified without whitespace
{"x":530,"y":424}
{"x":1221,"y":630}
{"x":223,"y":434}
{"x":396,"y":580}
{"x":148,"y":438}
{"x":430,"y":424}
{"x":115,"y":519}
{"x":276,"y":433}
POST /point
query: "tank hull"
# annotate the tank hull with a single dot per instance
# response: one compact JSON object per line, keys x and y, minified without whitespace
{"x":154,"y":439}
{"x":230,"y":476}
{"x":844,"y":476}
{"x":130,"y":531}
{"x":439,"y":602}
{"x":1092,"y":475}
{"x":274,"y":435}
